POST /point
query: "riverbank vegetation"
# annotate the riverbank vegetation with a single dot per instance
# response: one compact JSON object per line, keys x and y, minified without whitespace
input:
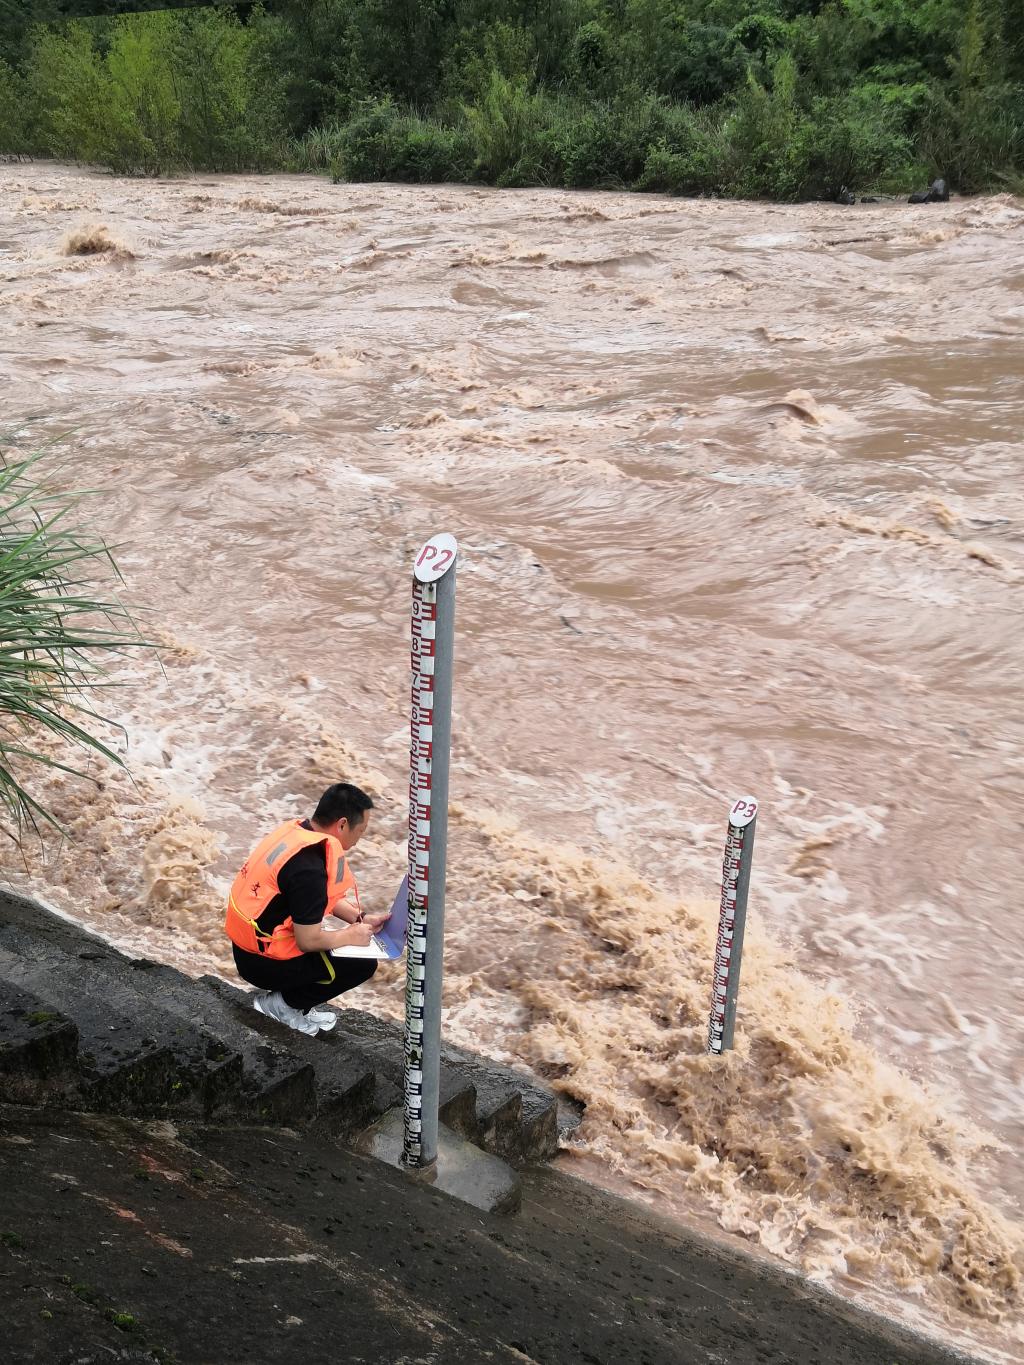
{"x":784,"y":99}
{"x":57,"y":625}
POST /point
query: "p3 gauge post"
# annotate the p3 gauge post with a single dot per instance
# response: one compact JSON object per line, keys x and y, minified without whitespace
{"x":433,"y":630}
{"x":732,"y":919}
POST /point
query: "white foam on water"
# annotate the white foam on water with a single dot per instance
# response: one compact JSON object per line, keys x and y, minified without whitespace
{"x":811,"y":598}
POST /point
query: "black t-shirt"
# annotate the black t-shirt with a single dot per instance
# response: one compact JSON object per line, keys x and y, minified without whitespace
{"x":302,"y":889}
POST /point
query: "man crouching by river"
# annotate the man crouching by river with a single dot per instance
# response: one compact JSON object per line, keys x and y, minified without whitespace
{"x":280,"y":910}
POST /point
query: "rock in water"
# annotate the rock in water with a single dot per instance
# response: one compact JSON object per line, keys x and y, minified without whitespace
{"x":936,"y":193}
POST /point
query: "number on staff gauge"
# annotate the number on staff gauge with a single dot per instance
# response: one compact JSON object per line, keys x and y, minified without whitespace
{"x":436,"y":558}
{"x":742,"y":811}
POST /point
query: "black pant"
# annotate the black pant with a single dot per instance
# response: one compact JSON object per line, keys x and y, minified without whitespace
{"x":303,"y":981}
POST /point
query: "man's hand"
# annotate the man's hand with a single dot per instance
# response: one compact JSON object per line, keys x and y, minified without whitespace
{"x":311,"y":938}
{"x":375,"y":921}
{"x":355,"y":936}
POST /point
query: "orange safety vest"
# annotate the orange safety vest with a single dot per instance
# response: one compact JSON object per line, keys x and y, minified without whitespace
{"x":256,"y":886}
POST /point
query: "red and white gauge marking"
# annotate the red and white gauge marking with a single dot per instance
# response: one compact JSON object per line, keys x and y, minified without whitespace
{"x":738,"y":841}
{"x":432,"y":562}
{"x":421,"y":746}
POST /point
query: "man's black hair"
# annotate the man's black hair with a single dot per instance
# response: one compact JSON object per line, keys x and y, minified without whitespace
{"x":342,"y":802}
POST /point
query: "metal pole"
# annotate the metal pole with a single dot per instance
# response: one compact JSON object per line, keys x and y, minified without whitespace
{"x":732,"y":920}
{"x":433,"y":629}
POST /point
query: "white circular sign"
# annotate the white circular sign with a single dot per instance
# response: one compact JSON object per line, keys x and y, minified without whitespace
{"x":435,"y":558}
{"x":742,"y":811}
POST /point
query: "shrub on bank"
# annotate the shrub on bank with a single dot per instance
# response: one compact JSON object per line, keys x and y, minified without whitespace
{"x":510,"y":129}
{"x":833,"y":148}
{"x":632,"y":143}
{"x":696,"y":166}
{"x":382,"y":143}
{"x":783,"y":145}
{"x":978,"y":139}
{"x":608,"y":144}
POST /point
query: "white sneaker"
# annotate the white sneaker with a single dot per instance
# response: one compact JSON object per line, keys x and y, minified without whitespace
{"x":271,"y":1003}
{"x":325,"y":1020}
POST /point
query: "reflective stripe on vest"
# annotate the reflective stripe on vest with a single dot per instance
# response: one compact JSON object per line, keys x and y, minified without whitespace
{"x":256,"y":886}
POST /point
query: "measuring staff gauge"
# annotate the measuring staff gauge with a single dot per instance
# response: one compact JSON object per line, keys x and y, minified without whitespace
{"x":433,"y":613}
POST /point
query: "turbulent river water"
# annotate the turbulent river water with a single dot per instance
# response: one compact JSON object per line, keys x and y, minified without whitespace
{"x":738,"y":490}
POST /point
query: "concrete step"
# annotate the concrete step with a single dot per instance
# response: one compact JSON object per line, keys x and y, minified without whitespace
{"x":38,"y":1049}
{"x":348,"y":1092}
{"x":280,"y":1086}
{"x":258,"y":1080}
{"x":518,"y":1118}
{"x":203,"y":1079}
{"x":381,"y":1042}
{"x":154,"y":1040}
{"x":120,"y":1069}
{"x":513,"y":1117}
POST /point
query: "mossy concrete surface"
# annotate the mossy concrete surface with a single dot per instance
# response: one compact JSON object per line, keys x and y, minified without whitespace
{"x":126,"y":1242}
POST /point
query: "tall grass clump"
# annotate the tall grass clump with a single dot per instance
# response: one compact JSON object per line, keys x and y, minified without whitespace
{"x":317,"y":149}
{"x":57,"y":625}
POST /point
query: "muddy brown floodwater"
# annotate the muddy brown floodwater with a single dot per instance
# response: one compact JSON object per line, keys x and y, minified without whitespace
{"x":738,"y":489}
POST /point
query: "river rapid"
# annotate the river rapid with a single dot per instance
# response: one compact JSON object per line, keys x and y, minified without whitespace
{"x":738,"y":492}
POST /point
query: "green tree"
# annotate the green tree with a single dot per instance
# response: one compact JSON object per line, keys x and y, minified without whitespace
{"x":15,"y":119}
{"x":308,"y":46}
{"x":783,"y":93}
{"x":398,"y":47}
{"x":70,"y":93}
{"x":229,"y":114}
{"x":144,"y":109}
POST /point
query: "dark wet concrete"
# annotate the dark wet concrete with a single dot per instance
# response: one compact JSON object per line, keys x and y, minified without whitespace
{"x":260,"y":1246}
{"x":130,"y":1036}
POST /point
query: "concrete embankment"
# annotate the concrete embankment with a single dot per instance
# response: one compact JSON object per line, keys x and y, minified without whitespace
{"x":233,"y":1224}
{"x":89,"y":1028}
